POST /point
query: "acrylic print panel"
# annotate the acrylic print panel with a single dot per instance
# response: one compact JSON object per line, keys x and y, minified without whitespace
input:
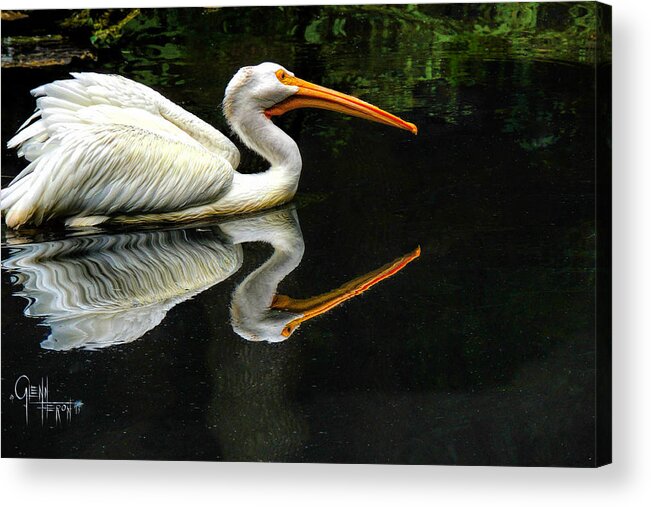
{"x":439,"y":298}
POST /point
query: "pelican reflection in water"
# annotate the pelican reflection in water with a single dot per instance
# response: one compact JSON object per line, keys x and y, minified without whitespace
{"x":95,"y":291}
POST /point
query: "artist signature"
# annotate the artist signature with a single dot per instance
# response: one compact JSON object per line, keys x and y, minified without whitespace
{"x":37,"y":397}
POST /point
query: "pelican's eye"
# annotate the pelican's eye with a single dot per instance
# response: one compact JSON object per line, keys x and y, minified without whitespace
{"x":289,"y":329}
{"x":281,"y":75}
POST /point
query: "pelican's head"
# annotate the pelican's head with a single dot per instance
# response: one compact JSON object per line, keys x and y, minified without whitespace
{"x":269,"y":325}
{"x":274,"y":90}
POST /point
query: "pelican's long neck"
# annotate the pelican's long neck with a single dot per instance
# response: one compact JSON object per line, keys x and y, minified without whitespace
{"x":278,"y":184}
{"x":257,"y":290}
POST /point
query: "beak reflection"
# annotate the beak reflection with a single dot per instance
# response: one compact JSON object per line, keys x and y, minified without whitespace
{"x":317,"y":305}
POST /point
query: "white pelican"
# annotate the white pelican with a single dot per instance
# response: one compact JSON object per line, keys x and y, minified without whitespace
{"x":105,"y":147}
{"x":101,"y":290}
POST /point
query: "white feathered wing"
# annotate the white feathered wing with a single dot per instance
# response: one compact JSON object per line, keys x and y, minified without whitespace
{"x":106,"y":145}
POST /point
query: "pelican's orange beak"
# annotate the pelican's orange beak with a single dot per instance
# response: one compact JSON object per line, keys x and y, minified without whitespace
{"x":311,"y":95}
{"x":311,"y":307}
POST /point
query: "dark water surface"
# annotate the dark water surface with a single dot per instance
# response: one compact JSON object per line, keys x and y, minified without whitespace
{"x":478,"y":352}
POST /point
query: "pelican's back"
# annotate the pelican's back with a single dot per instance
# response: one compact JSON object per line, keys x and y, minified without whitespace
{"x":105,"y":145}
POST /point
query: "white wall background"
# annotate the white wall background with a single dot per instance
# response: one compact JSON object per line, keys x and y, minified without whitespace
{"x":626,"y":482}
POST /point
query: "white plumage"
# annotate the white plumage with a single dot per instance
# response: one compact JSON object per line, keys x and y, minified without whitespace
{"x":105,"y":147}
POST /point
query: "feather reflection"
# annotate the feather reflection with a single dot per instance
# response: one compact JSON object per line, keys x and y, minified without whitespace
{"x":98,"y":291}
{"x":110,"y":289}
